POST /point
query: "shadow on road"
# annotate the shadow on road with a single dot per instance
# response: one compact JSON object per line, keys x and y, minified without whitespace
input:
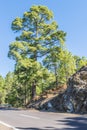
{"x":74,"y":123}
{"x":8,"y":108}
{"x":33,"y":128}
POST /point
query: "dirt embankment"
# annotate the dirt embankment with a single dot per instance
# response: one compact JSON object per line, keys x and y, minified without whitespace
{"x":43,"y":102}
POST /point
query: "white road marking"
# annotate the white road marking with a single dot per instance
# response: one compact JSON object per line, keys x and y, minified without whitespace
{"x":7,"y":125}
{"x":34,"y":117}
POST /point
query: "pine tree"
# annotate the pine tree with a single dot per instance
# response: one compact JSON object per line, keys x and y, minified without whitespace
{"x":38,"y":34}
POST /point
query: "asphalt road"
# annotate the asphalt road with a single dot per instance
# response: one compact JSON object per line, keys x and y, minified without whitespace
{"x":35,"y":120}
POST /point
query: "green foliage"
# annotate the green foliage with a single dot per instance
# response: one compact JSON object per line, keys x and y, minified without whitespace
{"x":61,"y":63}
{"x":80,"y":61}
{"x":67,"y":66}
{"x":39,"y":36}
{"x":9,"y":80}
{"x":2,"y":90}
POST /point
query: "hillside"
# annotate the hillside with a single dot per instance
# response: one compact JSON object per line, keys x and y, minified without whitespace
{"x":43,"y":102}
{"x":71,"y":99}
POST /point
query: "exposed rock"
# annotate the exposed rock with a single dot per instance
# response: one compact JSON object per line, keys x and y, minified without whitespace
{"x":74,"y":99}
{"x":44,"y":101}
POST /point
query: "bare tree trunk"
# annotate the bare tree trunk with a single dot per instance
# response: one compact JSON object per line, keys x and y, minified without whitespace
{"x":25,"y":94}
{"x":33,"y":91}
{"x":56,"y":76}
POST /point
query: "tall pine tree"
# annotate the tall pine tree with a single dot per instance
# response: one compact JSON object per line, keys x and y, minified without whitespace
{"x":38,"y":34}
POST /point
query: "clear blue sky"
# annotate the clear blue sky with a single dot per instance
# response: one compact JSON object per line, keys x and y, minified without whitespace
{"x":71,"y":16}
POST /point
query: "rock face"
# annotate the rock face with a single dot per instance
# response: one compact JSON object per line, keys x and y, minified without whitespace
{"x":74,"y":99}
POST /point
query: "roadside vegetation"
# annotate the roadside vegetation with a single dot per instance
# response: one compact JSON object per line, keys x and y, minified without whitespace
{"x":42,"y":60}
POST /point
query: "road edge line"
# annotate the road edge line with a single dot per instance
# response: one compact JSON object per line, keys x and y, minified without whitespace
{"x":7,"y":125}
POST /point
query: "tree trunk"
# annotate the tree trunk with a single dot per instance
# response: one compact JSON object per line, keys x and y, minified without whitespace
{"x":56,"y":76}
{"x":33,"y":90}
{"x":25,"y":94}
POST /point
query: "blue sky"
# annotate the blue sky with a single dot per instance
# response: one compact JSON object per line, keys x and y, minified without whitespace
{"x":71,"y":16}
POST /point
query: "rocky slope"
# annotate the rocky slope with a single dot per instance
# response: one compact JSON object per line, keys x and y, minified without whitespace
{"x":43,"y":102}
{"x":74,"y":99}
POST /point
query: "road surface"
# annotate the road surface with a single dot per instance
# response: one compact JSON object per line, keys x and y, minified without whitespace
{"x":36,"y":120}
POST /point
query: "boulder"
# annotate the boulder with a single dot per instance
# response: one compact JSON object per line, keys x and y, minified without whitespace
{"x":74,"y":99}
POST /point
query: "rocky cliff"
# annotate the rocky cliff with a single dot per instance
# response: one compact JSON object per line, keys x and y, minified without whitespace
{"x":74,"y":99}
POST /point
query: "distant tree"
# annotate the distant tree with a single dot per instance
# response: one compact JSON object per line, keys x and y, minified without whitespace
{"x":2,"y":90}
{"x":52,"y":62}
{"x":38,"y":34}
{"x":61,"y":63}
{"x":8,"y":82}
{"x":80,"y":61}
{"x":13,"y":88}
{"x":67,"y":66}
